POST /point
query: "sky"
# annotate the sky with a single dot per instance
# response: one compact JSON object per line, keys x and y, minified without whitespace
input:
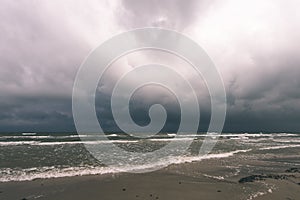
{"x":253,"y":44}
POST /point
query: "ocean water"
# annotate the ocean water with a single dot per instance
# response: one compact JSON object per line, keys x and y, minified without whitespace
{"x":29,"y":156}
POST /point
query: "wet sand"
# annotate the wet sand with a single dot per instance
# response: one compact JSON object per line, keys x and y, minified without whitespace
{"x":172,"y":183}
{"x":126,"y":186}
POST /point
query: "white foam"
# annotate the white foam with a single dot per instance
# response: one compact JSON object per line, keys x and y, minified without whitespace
{"x":172,"y":134}
{"x":280,"y":147}
{"x":214,"y":177}
{"x":253,"y":196}
{"x":169,"y":139}
{"x":50,"y":172}
{"x":8,"y":174}
{"x":294,"y":140}
{"x":113,"y":135}
{"x":18,"y":143}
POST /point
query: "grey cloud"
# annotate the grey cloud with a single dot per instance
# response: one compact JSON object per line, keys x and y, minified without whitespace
{"x":172,"y":14}
{"x":42,"y":44}
{"x":39,"y":57}
{"x":38,"y":51}
{"x":266,"y":96}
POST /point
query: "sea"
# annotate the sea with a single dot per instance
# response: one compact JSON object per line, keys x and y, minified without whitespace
{"x":29,"y":156}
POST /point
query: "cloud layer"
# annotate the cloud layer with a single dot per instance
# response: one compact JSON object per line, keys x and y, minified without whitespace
{"x":254,"y":45}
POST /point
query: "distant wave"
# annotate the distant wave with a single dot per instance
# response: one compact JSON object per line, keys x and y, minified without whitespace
{"x":233,"y":135}
{"x":28,"y":133}
{"x":38,"y":143}
{"x":45,"y":136}
{"x":8,"y":140}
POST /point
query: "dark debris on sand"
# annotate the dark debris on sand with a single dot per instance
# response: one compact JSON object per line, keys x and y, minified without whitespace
{"x":261,"y":177}
{"x":293,"y":170}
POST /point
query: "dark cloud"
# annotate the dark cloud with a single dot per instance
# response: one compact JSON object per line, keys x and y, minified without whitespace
{"x":36,"y":114}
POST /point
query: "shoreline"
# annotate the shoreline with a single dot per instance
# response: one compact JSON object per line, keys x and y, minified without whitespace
{"x":173,"y":182}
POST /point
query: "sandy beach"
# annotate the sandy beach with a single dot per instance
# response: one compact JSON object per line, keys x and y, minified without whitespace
{"x":197,"y":180}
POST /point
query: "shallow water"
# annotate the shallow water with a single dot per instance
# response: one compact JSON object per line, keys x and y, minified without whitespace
{"x":31,"y":156}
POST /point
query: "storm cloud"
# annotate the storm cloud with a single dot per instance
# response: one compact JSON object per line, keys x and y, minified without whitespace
{"x":253,"y":44}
